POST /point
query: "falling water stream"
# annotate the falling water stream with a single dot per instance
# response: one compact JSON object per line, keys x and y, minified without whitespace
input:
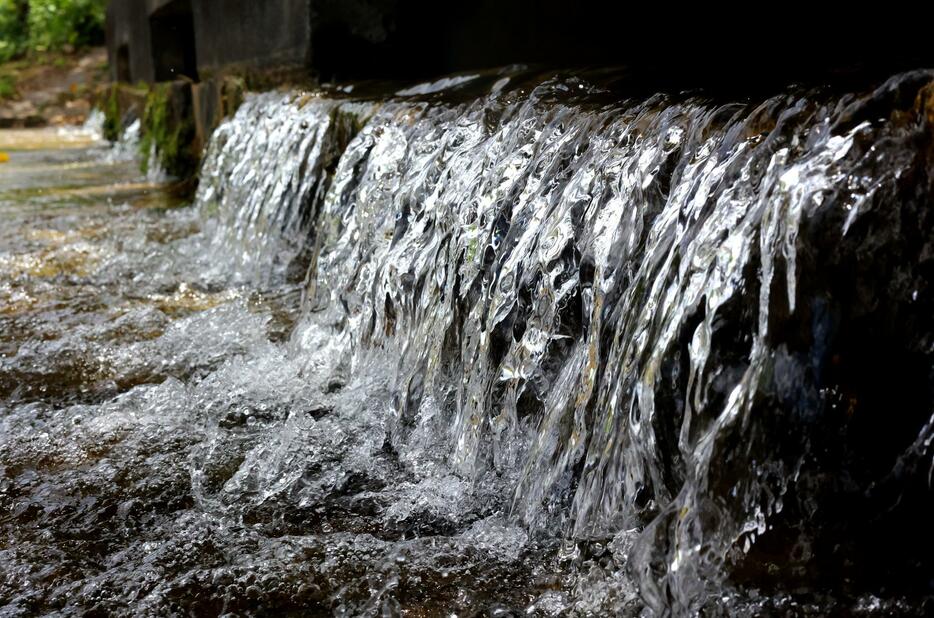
{"x":506,"y":344}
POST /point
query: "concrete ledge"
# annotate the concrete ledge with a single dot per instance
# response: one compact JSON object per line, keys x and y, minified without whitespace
{"x":177,"y":118}
{"x":212,"y":101}
{"x":122,"y":104}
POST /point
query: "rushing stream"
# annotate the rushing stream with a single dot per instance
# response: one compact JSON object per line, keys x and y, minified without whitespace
{"x":506,"y":344}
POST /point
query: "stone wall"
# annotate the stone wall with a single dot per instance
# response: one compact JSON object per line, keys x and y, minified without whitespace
{"x":419,"y":39}
{"x":129,"y":46}
{"x":268,"y":43}
{"x":161,"y":40}
{"x":234,"y":36}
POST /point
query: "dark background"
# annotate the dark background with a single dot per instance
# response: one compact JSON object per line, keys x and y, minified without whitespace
{"x":740,"y":46}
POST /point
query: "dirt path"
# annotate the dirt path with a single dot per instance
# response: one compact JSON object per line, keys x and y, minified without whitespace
{"x":53,"y":89}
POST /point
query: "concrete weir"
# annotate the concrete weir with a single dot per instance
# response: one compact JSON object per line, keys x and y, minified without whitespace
{"x":203,"y":49}
{"x":472,"y":308}
{"x":160,"y":40}
{"x":214,"y":49}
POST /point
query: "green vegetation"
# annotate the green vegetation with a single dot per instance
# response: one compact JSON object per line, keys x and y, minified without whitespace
{"x":54,"y":24}
{"x":13,"y":29}
{"x":28,"y":26}
{"x":7,"y":86}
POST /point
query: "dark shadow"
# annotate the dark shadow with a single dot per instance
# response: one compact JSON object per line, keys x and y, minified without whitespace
{"x":173,"y":41}
{"x":123,"y":64}
{"x":664,"y":49}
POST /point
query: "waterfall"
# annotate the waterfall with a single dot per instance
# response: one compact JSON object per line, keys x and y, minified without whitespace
{"x":264,"y":167}
{"x":706,"y":321}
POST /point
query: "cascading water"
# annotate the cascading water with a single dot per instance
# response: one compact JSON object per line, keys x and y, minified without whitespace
{"x":264,"y":168}
{"x":515,"y":343}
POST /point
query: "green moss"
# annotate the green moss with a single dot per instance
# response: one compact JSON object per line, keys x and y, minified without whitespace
{"x":232,"y":92}
{"x":171,"y":132}
{"x":112,"y":119}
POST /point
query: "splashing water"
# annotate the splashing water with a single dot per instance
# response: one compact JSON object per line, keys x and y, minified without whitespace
{"x":500,"y":344}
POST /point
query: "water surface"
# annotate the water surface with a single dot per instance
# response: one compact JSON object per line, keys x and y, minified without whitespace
{"x":502,"y":344}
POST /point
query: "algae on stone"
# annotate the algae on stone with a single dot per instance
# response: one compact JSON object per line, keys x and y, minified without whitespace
{"x":168,"y":130}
